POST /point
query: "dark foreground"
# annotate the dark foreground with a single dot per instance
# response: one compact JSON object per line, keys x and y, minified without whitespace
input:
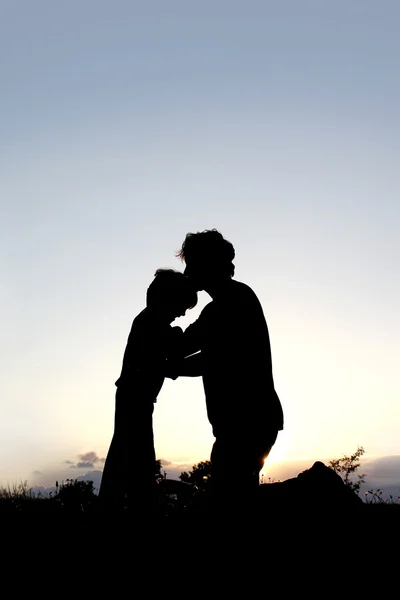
{"x":294,"y":551}
{"x":353,"y":522}
{"x":307,"y":536}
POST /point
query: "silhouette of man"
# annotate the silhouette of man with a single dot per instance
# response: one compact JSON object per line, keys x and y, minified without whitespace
{"x":229,"y":346}
{"x":130,"y":468}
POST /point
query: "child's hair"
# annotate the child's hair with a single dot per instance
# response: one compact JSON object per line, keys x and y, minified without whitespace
{"x":171,"y":287}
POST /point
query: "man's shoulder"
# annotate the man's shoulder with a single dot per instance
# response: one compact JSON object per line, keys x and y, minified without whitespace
{"x":243,"y":291}
{"x":240,"y":285}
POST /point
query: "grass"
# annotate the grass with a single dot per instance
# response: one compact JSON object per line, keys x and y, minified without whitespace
{"x":376,"y":497}
{"x":39,"y":530}
{"x":79,"y":497}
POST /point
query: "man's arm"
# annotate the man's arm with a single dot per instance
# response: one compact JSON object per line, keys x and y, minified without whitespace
{"x":190,"y":341}
{"x":191,"y":366}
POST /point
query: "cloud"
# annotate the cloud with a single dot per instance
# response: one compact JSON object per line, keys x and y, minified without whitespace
{"x":41,"y":490}
{"x":88,"y":460}
{"x":95,"y":476}
{"x":382,"y":477}
{"x":90,"y":457}
{"x":385,"y":468}
{"x":173,"y":470}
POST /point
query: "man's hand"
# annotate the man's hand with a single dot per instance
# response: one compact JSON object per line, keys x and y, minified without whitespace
{"x":191,"y":366}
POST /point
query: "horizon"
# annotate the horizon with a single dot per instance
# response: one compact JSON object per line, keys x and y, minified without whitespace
{"x":382,"y":475}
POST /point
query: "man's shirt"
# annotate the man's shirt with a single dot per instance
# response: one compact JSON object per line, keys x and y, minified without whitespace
{"x":232,"y":335}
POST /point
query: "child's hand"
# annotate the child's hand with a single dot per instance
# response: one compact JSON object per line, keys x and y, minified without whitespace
{"x":171,"y":369}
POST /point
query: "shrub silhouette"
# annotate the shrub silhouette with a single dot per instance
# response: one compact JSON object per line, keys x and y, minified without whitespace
{"x":346,"y":466}
{"x":75,"y":495}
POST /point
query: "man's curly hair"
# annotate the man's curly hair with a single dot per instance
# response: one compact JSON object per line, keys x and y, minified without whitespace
{"x":210,"y":247}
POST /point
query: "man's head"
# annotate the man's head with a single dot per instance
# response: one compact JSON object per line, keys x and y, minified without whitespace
{"x":208,"y":257}
{"x":171,"y":294}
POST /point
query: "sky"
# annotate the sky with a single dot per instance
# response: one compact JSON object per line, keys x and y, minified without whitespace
{"x":124,"y":126}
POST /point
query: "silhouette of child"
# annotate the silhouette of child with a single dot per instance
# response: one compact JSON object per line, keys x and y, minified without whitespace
{"x":129,"y":471}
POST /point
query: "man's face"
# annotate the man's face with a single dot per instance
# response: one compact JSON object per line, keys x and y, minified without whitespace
{"x":197,"y":274}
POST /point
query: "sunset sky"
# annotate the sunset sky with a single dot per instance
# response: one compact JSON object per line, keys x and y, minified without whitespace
{"x":125,"y":125}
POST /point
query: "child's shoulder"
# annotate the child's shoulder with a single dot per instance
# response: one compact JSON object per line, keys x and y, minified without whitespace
{"x":142,"y":317}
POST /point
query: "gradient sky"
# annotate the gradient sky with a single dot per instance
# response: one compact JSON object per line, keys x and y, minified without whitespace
{"x":125,"y":125}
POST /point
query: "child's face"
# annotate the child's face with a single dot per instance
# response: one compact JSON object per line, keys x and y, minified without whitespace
{"x":178,"y":310}
{"x":173,"y":311}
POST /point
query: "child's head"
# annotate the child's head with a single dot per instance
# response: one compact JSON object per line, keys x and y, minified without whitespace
{"x":170,"y":294}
